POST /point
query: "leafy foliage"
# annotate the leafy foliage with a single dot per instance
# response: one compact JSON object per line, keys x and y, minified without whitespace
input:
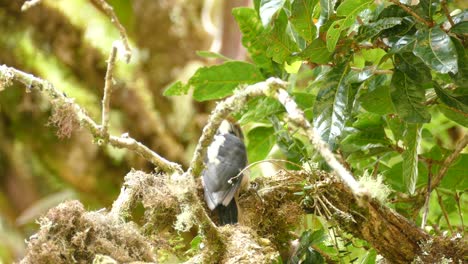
{"x":374,"y":79}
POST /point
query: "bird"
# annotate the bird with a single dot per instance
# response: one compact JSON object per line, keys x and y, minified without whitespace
{"x":226,"y":157}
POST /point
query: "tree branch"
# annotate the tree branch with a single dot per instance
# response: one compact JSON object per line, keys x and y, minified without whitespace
{"x":109,"y":11}
{"x":7,"y":74}
{"x":448,"y":161}
{"x":411,"y":12}
{"x":108,"y":90}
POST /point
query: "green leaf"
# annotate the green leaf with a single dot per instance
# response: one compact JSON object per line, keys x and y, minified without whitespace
{"x":415,"y":69}
{"x":220,"y":81}
{"x":378,"y":101}
{"x":259,"y":109}
{"x":461,"y":78}
{"x":454,"y":114}
{"x":368,"y":120}
{"x":176,"y":88}
{"x":326,"y":10}
{"x":331,"y":104}
{"x":412,"y":139}
{"x":456,"y":175}
{"x":369,"y":257}
{"x":291,"y":147}
{"x":460,"y":28}
{"x":365,"y":139}
{"x":436,"y":49}
{"x":348,"y":9}
{"x":371,"y":30}
{"x":396,"y":125}
{"x":403,"y":45}
{"x":280,"y":44}
{"x":429,"y":7}
{"x":253,"y":37}
{"x":211,"y":54}
{"x":316,"y":52}
{"x":268,"y":9}
{"x":305,"y":101}
{"x":450,"y":100}
{"x":333,"y":34}
{"x":408,"y":99}
{"x":301,"y":18}
{"x":260,"y":142}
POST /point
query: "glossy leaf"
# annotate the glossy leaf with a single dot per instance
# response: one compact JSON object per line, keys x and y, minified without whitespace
{"x":408,"y":99}
{"x":331,"y":104}
{"x":316,"y":52}
{"x":450,"y":100}
{"x":260,"y":142}
{"x":326,"y":10}
{"x":460,"y":28}
{"x":436,"y":49}
{"x":301,"y":18}
{"x":268,"y":9}
{"x":371,"y":30}
{"x":429,"y":7}
{"x":348,"y":9}
{"x":220,"y":81}
{"x":253,"y":37}
{"x":415,"y":69}
{"x":412,"y":139}
{"x":404,"y":44}
{"x":461,"y":78}
{"x":454,"y":114}
{"x":280,"y":44}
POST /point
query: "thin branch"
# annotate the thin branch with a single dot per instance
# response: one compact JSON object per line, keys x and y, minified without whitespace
{"x":29,"y":4}
{"x":411,"y":12}
{"x":109,"y":11}
{"x":428,"y":196}
{"x":108,"y":90}
{"x":57,"y":97}
{"x":444,"y":211}
{"x":448,"y":161}
{"x":447,"y":13}
{"x":374,"y":71}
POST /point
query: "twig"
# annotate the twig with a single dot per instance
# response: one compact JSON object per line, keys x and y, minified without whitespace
{"x":428,"y":196}
{"x":374,"y":71}
{"x":447,"y":13}
{"x":411,"y":12}
{"x":448,"y":161}
{"x":29,"y":4}
{"x":109,"y":11}
{"x":444,"y":211}
{"x":57,"y":98}
{"x":108,"y":90}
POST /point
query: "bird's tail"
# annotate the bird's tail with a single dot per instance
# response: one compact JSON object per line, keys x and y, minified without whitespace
{"x":227,"y":214}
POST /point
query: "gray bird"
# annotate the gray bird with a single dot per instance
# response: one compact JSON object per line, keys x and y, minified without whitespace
{"x":226,"y":157}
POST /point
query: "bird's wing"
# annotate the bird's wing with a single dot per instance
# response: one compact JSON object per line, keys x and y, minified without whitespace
{"x":229,"y":160}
